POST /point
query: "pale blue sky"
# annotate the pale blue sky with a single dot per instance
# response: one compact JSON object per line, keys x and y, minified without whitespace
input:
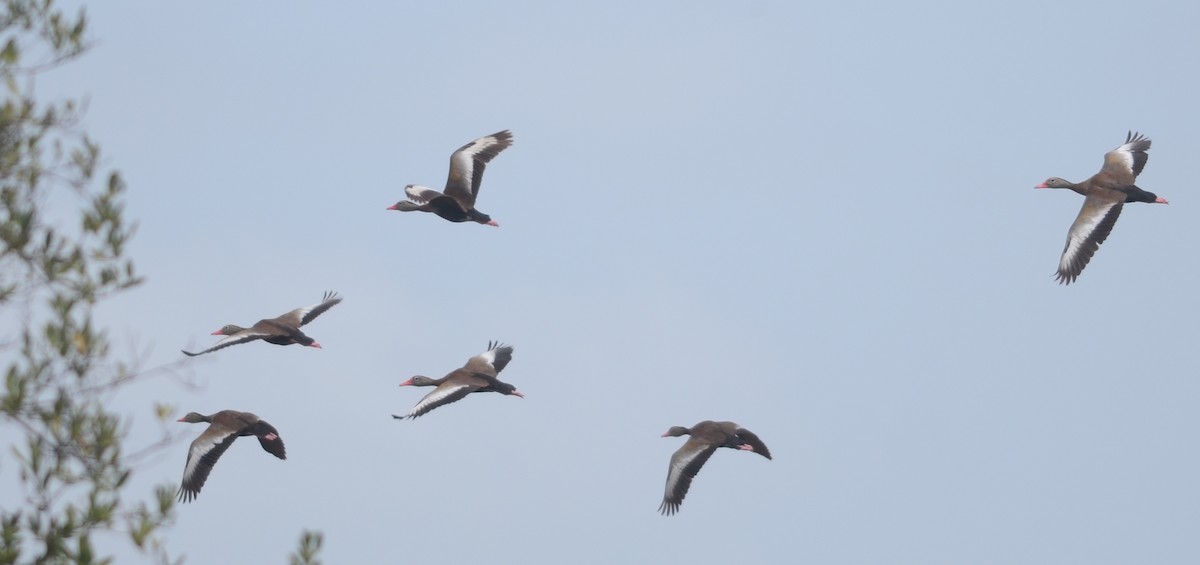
{"x":814,"y":219}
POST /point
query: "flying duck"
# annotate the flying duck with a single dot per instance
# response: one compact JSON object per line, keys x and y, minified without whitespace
{"x":283,"y":330}
{"x":705,"y":438}
{"x":478,"y":375}
{"x":223,"y":427}
{"x":457,"y":204}
{"x":1104,"y":195}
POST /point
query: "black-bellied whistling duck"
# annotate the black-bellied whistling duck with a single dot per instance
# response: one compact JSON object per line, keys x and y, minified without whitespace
{"x":705,"y":438}
{"x":478,"y":375}
{"x":224,"y":427}
{"x":457,"y":204}
{"x":283,"y":330}
{"x":1105,"y":193}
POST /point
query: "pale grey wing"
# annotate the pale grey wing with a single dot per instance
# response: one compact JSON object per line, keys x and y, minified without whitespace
{"x":420,"y":194}
{"x":492,"y":361}
{"x":467,"y":165}
{"x":301,"y":316}
{"x":202,"y":456}
{"x":1123,"y":164}
{"x":243,"y":336}
{"x":685,"y":463}
{"x":1092,"y":226}
{"x":749,"y":438}
{"x":441,"y":395}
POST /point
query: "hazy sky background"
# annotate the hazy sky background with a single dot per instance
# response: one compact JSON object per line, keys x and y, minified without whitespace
{"x":814,"y":219}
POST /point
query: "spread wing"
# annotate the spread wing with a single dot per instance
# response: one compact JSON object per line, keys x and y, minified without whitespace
{"x":202,"y":456}
{"x":1123,"y":164}
{"x":685,"y":463}
{"x":492,"y":361}
{"x":443,"y":394}
{"x":248,"y":334}
{"x":1092,"y":226}
{"x":301,"y":316}
{"x":467,"y":165}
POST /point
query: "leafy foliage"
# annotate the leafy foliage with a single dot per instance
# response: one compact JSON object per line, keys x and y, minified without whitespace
{"x":310,"y":545}
{"x":52,"y":275}
{"x":62,"y":250}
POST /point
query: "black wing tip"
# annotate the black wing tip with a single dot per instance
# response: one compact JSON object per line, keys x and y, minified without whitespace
{"x":186,"y":495}
{"x":1064,"y":278}
{"x":503,"y":136}
{"x":280,"y":453}
{"x":493,"y":345}
{"x":331,"y":295}
{"x":502,"y":140}
{"x":1140,"y":142}
{"x":190,"y":354}
{"x":668,"y":508}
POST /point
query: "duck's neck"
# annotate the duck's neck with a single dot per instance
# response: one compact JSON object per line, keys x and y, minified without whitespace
{"x":1078,"y":188}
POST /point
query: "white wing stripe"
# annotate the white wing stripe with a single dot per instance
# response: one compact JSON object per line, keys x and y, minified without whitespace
{"x":438,"y":394}
{"x":240,"y":337}
{"x":675,"y":473}
{"x":1080,"y":237}
{"x":489,"y":357}
{"x":199,"y":448}
{"x":476,"y":147}
{"x":300,"y":313}
{"x":465,"y":162}
{"x":420,"y":194}
{"x":1124,"y":153}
